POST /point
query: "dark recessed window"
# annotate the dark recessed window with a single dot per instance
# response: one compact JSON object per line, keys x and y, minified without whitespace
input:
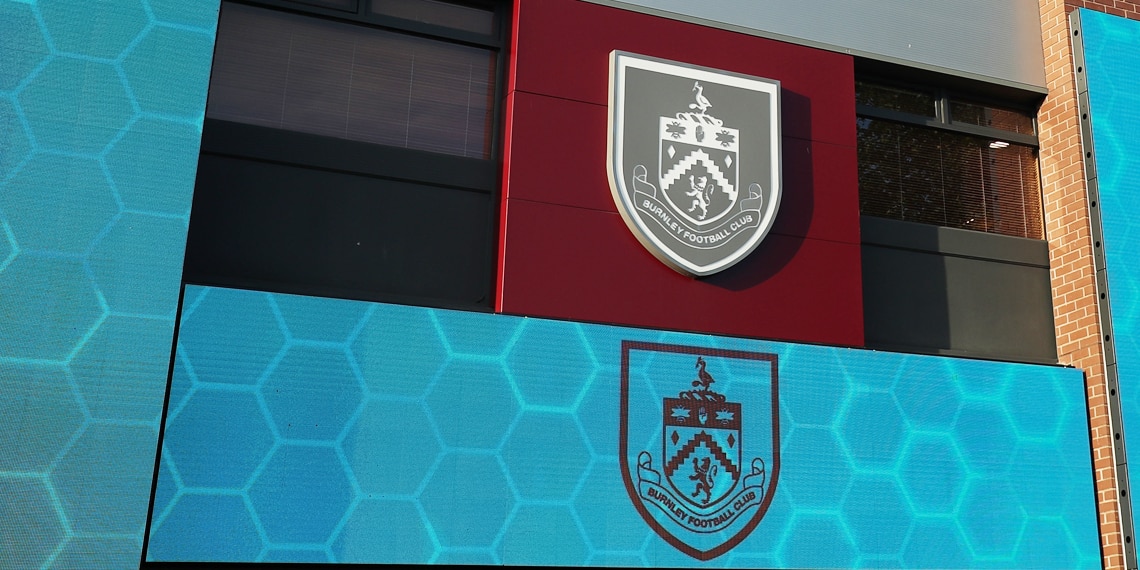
{"x":928,"y":158}
{"x":895,"y":98}
{"x":349,"y":150}
{"x":338,"y":79}
{"x":988,"y":116}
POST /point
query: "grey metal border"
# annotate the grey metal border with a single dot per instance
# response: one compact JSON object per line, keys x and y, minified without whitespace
{"x":1104,"y":309}
{"x":1020,"y":86}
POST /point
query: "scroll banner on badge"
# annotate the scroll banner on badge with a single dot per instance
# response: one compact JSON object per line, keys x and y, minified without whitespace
{"x":647,"y":201}
{"x":650,"y":489}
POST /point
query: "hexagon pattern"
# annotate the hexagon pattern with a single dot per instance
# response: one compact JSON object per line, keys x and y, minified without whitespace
{"x":100,"y":123}
{"x":1111,"y":46}
{"x":90,"y":248}
{"x":446,"y":450}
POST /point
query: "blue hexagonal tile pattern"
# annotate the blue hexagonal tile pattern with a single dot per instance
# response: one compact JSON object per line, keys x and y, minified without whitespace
{"x":50,"y":307}
{"x":538,"y":441}
{"x":410,"y":539}
{"x":154,"y":152}
{"x":518,"y":546}
{"x":209,"y":415}
{"x":189,"y":56}
{"x":391,"y":447}
{"x":91,"y":245}
{"x":83,"y":198}
{"x":315,"y":318}
{"x":472,"y":393}
{"x":22,"y":45}
{"x":538,"y":381}
{"x":41,"y":415}
{"x":937,"y":542}
{"x":803,"y":544}
{"x":254,"y":332}
{"x":13,"y":137}
{"x":311,"y":393}
{"x":105,"y":31}
{"x":478,"y":466}
{"x":300,"y":494}
{"x":208,"y":527}
{"x":452,"y":508}
{"x":104,"y":478}
{"x":118,"y":370}
{"x":872,"y":430}
{"x":183,"y":13}
{"x":620,"y":531}
{"x":933,"y":472}
{"x":878,"y":499}
{"x":32,"y":527}
{"x":142,"y":284}
{"x":399,"y":361}
{"x":98,"y":552}
{"x":1111,"y":47}
{"x":76,"y":105}
{"x":992,"y":519}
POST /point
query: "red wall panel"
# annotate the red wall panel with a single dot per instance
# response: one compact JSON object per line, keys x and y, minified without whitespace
{"x":562,"y":49}
{"x":566,"y":253}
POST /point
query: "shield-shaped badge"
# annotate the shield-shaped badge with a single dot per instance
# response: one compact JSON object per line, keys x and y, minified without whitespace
{"x":700,"y":461}
{"x":694,"y":159}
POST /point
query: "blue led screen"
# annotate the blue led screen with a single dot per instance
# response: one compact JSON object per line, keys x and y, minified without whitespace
{"x":101,"y":107}
{"x":307,"y":429}
{"x":1112,"y":62}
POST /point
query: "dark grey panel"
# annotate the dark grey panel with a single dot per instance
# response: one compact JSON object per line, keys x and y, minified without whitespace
{"x":994,"y":40}
{"x":300,"y":230}
{"x":956,"y":292}
{"x":937,"y":239}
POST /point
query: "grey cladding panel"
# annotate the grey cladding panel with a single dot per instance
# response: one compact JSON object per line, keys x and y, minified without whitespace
{"x":995,"y":40}
{"x":943,"y":290}
{"x":936,"y":303}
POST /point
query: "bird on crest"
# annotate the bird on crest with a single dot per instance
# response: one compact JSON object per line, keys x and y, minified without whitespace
{"x":702,"y":103}
{"x":705,"y":379}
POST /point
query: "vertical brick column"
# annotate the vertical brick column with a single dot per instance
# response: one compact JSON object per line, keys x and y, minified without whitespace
{"x":1067,"y":228}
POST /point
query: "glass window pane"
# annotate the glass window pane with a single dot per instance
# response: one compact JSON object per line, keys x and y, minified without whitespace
{"x":336,"y":79}
{"x":921,"y":181}
{"x":986,"y":116}
{"x":879,"y":188}
{"x":894,"y":99}
{"x":439,"y":13}
{"x":968,"y":205}
{"x":1016,"y":193}
{"x":924,"y":175}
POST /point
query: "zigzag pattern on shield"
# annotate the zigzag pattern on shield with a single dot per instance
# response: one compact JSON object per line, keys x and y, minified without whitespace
{"x":698,"y":166}
{"x":701,"y":450}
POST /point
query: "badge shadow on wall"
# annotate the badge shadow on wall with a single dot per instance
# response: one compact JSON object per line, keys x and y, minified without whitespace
{"x":694,"y":159}
{"x":699,"y":442}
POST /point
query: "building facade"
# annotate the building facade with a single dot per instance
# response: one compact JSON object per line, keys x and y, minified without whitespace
{"x":377,"y":281}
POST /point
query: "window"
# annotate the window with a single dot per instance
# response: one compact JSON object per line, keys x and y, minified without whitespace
{"x":929,"y":157}
{"x":349,"y":150}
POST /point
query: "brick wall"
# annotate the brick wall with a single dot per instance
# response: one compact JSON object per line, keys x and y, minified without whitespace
{"x":1067,"y":229}
{"x":1124,"y":8}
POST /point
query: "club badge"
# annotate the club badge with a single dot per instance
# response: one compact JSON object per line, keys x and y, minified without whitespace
{"x":694,"y":159}
{"x":699,"y":445}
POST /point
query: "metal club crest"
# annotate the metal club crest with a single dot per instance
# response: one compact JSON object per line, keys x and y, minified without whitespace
{"x":700,"y":466}
{"x":694,"y":159}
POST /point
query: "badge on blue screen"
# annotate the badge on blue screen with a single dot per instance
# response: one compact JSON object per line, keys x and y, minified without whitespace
{"x":699,"y":442}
